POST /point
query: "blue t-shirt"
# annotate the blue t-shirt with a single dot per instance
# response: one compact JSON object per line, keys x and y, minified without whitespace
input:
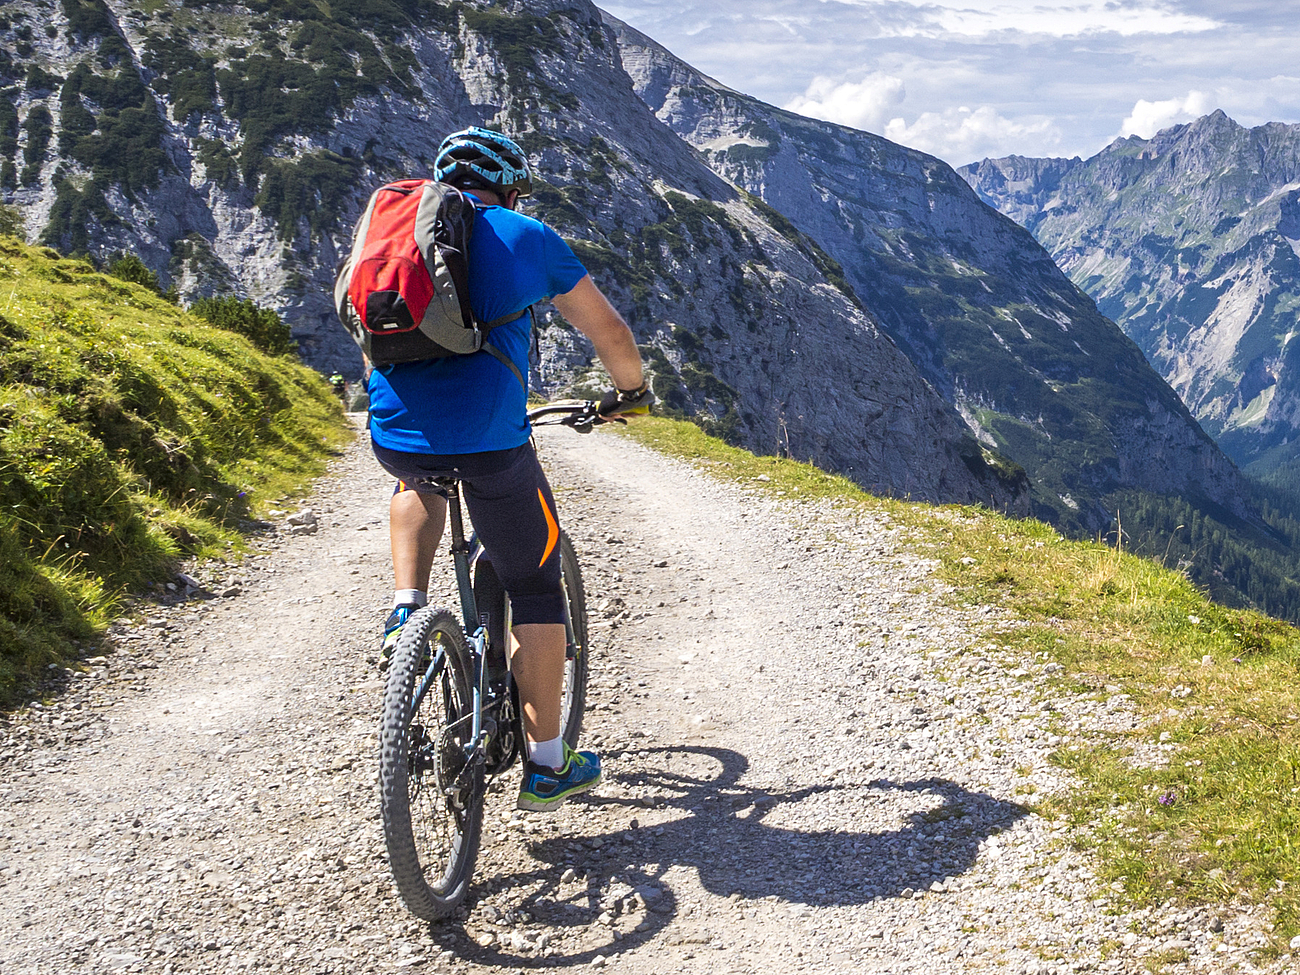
{"x":468,"y":404}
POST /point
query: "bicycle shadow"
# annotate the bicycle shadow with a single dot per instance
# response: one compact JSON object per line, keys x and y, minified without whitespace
{"x":724,"y":837}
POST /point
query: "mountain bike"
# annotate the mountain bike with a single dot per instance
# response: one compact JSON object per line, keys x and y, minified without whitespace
{"x":452,"y":720}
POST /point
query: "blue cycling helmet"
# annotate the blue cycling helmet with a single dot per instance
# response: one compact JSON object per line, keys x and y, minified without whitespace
{"x":484,"y":159}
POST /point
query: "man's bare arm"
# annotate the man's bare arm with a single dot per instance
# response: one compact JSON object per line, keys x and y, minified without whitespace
{"x":591,"y":313}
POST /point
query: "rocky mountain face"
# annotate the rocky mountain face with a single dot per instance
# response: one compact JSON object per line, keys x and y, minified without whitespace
{"x":1191,"y":242}
{"x":231,"y":147}
{"x":973,"y":299}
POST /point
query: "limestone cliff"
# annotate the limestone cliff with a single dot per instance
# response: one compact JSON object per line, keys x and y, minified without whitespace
{"x":232,"y":145}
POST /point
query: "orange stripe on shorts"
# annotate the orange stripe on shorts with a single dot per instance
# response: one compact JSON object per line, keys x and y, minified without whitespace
{"x":552,"y":529}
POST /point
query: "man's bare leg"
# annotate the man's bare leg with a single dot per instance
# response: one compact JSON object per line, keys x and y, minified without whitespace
{"x":539,"y":670}
{"x":415,"y":523}
{"x":538,"y":667}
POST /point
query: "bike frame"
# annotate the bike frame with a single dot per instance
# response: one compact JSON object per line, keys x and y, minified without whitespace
{"x":451,"y":718}
{"x":465,"y":552}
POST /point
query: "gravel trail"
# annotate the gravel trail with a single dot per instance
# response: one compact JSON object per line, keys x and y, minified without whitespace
{"x":814,"y":764}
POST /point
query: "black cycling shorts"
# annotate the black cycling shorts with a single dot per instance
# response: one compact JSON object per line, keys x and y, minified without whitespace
{"x":513,"y":513}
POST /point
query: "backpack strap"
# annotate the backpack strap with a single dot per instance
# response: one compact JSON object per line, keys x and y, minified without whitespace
{"x":496,"y":353}
{"x":506,"y":319}
{"x":486,"y":327}
{"x":504,"y":359}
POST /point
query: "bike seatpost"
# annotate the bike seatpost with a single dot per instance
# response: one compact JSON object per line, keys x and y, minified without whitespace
{"x":460,"y":557}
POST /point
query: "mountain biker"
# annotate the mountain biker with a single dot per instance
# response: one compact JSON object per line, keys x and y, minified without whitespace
{"x":465,"y":416}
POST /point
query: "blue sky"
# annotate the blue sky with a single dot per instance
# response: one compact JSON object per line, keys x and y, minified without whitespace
{"x":965,"y":79}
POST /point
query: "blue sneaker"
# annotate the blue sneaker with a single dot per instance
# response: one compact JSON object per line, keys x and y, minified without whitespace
{"x":393,"y":631}
{"x":544,"y":788}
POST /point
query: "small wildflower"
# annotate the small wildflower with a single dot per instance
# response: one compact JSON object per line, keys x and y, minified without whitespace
{"x":1168,"y":798}
{"x":1236,"y":660}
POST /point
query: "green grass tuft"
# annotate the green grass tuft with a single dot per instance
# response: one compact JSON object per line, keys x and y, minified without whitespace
{"x":130,"y":434}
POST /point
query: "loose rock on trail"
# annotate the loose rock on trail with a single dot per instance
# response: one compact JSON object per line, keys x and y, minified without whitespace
{"x":814,"y":763}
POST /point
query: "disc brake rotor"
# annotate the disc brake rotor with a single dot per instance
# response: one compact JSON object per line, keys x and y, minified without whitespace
{"x":448,"y":763}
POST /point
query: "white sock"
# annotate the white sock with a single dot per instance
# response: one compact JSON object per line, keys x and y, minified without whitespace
{"x":405,"y":597}
{"x":547,"y":752}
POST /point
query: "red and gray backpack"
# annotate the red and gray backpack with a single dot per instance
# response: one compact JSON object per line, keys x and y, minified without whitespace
{"x":403,"y":291}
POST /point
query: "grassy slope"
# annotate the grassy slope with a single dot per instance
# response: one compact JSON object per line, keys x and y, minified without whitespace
{"x":130,"y":434}
{"x":1215,"y":687}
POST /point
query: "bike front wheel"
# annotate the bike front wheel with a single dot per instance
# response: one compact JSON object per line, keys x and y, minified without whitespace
{"x":430,"y":788}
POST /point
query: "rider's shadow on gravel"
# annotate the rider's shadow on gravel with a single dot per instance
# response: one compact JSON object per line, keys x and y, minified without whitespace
{"x":801,"y":845}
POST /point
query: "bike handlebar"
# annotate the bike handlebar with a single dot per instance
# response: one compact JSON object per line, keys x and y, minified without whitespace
{"x":580,"y":415}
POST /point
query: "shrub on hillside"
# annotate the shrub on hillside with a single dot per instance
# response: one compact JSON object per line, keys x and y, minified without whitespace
{"x":11,"y":222}
{"x":261,"y":326}
{"x":129,"y":267}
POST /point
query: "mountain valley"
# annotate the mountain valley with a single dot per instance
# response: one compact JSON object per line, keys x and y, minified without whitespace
{"x":1190,"y":240}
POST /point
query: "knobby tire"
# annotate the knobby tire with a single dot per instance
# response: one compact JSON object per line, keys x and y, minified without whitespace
{"x":574,"y":700}
{"x":432,"y":837}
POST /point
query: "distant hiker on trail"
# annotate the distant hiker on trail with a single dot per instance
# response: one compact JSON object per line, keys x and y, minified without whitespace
{"x":463,"y":414}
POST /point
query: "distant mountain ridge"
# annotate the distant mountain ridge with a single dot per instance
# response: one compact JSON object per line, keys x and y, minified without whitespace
{"x":1191,"y":242}
{"x":976,"y":303}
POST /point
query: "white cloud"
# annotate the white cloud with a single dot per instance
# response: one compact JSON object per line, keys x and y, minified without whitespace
{"x":957,"y":134}
{"x":1068,"y":18}
{"x":866,"y":104}
{"x":1148,"y":118}
{"x":1083,"y":64}
{"x":963,"y":134}
{"x":947,"y":19}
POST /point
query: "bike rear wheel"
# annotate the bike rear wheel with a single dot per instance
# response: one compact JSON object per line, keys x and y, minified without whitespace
{"x":431,"y":794}
{"x":494,"y":606}
{"x":573,"y":701}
